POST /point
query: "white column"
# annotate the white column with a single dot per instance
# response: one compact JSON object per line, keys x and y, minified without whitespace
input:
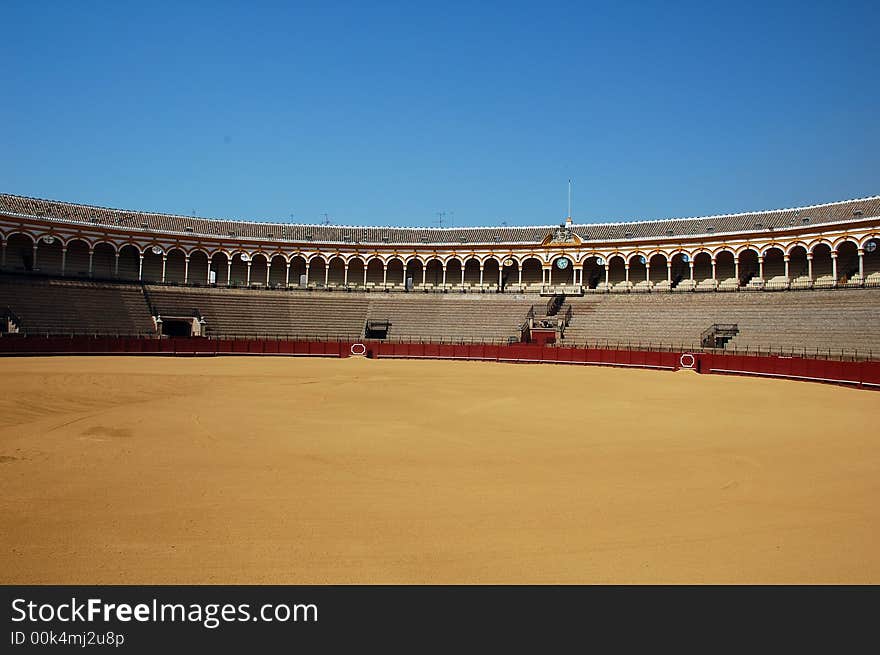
{"x":307,"y":273}
{"x":229,"y":272}
{"x":115,"y":263}
{"x":607,"y":267}
{"x":481,"y":275}
{"x":462,"y":273}
{"x":500,"y":278}
{"x":761,"y":266}
{"x":64,"y":261}
{"x":713,"y":270}
{"x":35,"y":256}
{"x":92,"y":259}
{"x":268,"y":271}
{"x":669,"y":271}
{"x":444,"y":273}
{"x":862,"y":263}
{"x":186,"y":269}
{"x":626,"y":271}
{"x":786,"y":259}
{"x":834,"y":266}
{"x":326,"y":273}
{"x":365,"y":274}
{"x":810,"y":265}
{"x":404,"y":276}
{"x":345,"y":275}
{"x":140,"y":266}
{"x":424,"y":273}
{"x":384,"y":274}
{"x":691,"y":265}
{"x":736,"y":269}
{"x":287,"y":274}
{"x":208,"y":273}
{"x":247,"y":279}
{"x":647,"y":271}
{"x":519,"y":273}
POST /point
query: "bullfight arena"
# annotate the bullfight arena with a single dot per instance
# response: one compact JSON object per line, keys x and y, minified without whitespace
{"x":163,"y":470}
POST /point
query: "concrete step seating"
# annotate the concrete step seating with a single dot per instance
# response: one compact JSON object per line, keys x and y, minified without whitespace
{"x":60,"y":307}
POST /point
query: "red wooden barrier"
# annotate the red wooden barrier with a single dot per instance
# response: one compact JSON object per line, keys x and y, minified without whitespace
{"x":864,"y":374}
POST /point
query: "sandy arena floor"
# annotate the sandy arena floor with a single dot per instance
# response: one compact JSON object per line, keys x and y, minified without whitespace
{"x":281,"y":470}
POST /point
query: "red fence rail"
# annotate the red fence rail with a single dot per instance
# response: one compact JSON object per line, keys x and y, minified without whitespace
{"x":865,"y":374}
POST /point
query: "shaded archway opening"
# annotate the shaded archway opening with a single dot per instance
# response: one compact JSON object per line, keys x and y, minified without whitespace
{"x":509,"y":273}
{"x":658,"y":269}
{"x":414,"y":271}
{"x":748,"y":266}
{"x":77,"y":264}
{"x":616,"y":270}
{"x":453,"y":272}
{"x":336,"y":274}
{"x":238,"y":273}
{"x":375,"y":272}
{"x":356,"y":272}
{"x":175,"y":267}
{"x":638,"y":269}
{"x":562,"y":276}
{"x":798,"y":267}
{"x":219,"y":269}
{"x":298,"y":271}
{"x":278,"y":272}
{"x":104,"y":261}
{"x":471,"y":272}
{"x":872,"y":261}
{"x":725,"y":266}
{"x":702,"y":267}
{"x":532,"y":273}
{"x":395,"y":273}
{"x":20,"y":253}
{"x":822,"y":265}
{"x":593,"y":272}
{"x":847,"y":261}
{"x":49,"y":256}
{"x":491,"y":270}
{"x":774,"y":263}
{"x":129,"y":262}
{"x":434,"y":273}
{"x":198,"y":268}
{"x":259,"y":270}
{"x":680,"y":268}
{"x":317,"y":269}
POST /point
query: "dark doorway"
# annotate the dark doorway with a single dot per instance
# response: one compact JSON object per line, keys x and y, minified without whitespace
{"x":176,"y":327}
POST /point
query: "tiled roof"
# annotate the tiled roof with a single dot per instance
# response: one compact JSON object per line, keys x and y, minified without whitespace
{"x":748,"y":222}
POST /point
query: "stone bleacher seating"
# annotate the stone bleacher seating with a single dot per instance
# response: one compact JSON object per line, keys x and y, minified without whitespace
{"x":449,"y":317}
{"x":241,"y":312}
{"x":838,"y":320}
{"x":238,"y":312}
{"x":59,"y":307}
{"x":847,"y":320}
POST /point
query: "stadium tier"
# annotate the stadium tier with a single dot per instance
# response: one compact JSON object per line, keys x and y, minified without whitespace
{"x":805,"y":278}
{"x":837,"y":322}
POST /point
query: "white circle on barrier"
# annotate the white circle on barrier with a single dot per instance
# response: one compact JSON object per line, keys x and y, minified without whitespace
{"x":690,"y":363}
{"x":358,"y":349}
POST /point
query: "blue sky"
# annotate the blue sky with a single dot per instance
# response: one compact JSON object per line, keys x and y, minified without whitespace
{"x":387,"y":113}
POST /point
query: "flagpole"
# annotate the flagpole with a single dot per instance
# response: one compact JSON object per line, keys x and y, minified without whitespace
{"x":569,"y":199}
